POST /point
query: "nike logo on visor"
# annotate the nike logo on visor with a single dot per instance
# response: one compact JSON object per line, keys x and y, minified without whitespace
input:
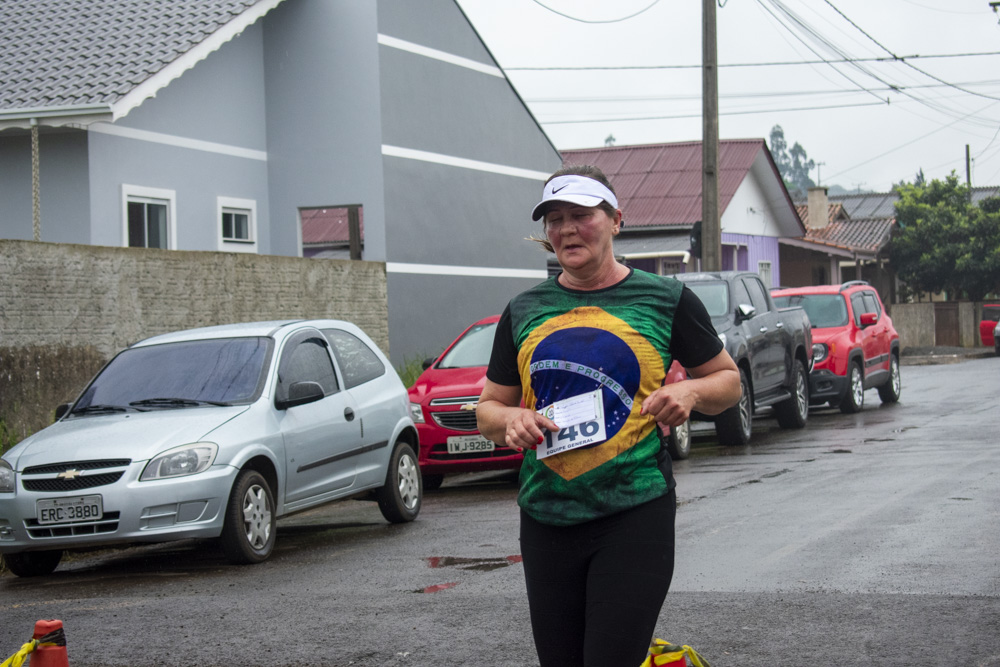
{"x":561,"y":187}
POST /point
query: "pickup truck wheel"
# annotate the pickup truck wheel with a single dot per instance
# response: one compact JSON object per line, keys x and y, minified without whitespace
{"x":889,"y":392}
{"x":733,"y":426}
{"x":679,"y":441}
{"x":793,"y":411}
{"x":854,"y":399}
{"x":33,"y":563}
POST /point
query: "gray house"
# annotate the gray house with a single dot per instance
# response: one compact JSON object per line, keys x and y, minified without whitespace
{"x":222,"y":125}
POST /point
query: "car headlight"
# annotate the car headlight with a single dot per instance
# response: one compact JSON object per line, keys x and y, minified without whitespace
{"x":6,"y":477}
{"x":179,"y":461}
{"x":722,"y":337}
{"x":416,"y":413}
{"x":820,"y":352}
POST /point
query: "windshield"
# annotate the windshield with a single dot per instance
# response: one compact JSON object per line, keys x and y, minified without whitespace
{"x":991,"y":313}
{"x":714,"y":295}
{"x":180,"y":375}
{"x":472,"y":349}
{"x":824,"y":310}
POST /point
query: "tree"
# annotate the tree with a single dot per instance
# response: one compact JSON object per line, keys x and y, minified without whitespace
{"x":944,"y":242}
{"x":793,"y":163}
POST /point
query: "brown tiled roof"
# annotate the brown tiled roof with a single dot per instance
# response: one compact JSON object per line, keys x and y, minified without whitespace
{"x":866,"y":234}
{"x":660,"y":184}
{"x":835,"y":211}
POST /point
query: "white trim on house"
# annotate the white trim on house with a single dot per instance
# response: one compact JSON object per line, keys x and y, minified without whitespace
{"x":140,"y":191}
{"x":476,"y":271}
{"x":192,"y":57}
{"x":443,"y":56}
{"x":179,"y":142}
{"x":463,"y":163}
{"x":232,"y":203}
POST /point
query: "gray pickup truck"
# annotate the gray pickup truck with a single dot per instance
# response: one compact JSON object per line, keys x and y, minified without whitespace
{"x":772,"y":347}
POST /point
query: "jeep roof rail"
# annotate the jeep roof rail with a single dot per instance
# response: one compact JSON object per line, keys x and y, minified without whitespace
{"x":853,"y":283}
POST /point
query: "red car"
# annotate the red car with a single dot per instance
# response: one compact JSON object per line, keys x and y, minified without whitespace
{"x":855,"y":346}
{"x":443,"y":406}
{"x":991,"y":315}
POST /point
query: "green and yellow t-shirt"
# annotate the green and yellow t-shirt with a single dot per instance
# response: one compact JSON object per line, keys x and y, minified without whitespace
{"x":559,"y":343}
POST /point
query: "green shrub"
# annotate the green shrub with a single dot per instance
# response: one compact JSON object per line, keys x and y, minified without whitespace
{"x":410,"y":370}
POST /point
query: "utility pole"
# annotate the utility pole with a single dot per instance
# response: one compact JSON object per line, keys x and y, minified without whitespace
{"x":818,"y":165}
{"x":968,"y":171}
{"x":711,"y":245}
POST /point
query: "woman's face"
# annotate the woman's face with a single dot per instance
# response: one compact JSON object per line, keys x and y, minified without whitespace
{"x":581,"y":235}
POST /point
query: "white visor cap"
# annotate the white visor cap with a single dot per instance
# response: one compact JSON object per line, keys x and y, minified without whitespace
{"x":574,"y":189}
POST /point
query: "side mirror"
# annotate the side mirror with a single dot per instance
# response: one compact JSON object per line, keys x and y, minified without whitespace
{"x":62,"y":410}
{"x":428,"y":362}
{"x":868,"y":319}
{"x":745,"y":311}
{"x":301,"y":393}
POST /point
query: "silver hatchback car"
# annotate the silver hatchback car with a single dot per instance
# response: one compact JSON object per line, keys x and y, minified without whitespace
{"x":213,"y":433}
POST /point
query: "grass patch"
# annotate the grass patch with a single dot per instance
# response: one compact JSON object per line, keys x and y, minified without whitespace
{"x":410,"y":370}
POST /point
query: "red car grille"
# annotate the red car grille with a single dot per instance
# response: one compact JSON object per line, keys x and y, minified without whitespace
{"x":456,"y":420}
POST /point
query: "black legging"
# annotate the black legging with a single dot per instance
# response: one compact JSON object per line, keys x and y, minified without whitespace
{"x":595,"y":589}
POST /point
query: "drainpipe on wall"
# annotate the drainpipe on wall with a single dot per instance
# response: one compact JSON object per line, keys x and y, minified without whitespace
{"x":36,"y":200}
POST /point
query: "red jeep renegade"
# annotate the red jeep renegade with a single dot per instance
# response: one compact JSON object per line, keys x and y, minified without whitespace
{"x":855,"y":346}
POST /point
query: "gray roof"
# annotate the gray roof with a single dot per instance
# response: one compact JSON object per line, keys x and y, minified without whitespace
{"x":59,"y":53}
{"x":882,"y":204}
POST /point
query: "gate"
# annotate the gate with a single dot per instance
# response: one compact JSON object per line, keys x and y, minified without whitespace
{"x":946,"y":324}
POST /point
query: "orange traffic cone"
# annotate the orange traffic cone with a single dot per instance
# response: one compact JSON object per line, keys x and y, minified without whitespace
{"x":51,"y":649}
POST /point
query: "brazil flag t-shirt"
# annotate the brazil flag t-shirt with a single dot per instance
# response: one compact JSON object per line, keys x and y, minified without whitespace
{"x":570,"y":344}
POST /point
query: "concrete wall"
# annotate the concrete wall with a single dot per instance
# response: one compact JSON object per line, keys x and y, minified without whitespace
{"x":915,"y":323}
{"x":67,"y":309}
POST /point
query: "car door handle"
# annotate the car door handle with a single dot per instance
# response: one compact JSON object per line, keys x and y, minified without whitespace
{"x":780,"y":325}
{"x":763,"y":329}
{"x":349,"y":414}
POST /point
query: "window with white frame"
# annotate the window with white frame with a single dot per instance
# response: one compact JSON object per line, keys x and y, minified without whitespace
{"x":148,"y":216}
{"x":764,"y":271}
{"x":237,"y":220}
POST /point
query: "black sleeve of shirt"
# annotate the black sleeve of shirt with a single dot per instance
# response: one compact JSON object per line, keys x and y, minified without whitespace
{"x":503,"y":361}
{"x":694,"y":340}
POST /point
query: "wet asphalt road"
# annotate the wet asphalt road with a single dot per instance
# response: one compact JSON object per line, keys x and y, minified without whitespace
{"x":862,"y":539}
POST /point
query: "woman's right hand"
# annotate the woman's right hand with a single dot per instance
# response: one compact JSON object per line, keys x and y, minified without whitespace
{"x":501,"y":418}
{"x":525,"y":429}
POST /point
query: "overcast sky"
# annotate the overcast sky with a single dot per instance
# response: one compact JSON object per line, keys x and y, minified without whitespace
{"x":870,"y":123}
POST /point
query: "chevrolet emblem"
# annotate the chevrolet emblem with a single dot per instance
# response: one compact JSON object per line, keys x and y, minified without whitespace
{"x":469,"y":406}
{"x":69,"y":475}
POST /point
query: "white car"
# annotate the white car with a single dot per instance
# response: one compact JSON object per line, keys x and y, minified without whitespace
{"x":213,"y":433}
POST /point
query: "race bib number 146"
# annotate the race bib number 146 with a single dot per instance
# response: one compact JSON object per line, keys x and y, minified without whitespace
{"x":580,"y":420}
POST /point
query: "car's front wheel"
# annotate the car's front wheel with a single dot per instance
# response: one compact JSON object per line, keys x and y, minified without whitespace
{"x":249,"y":532}
{"x":889,"y":392}
{"x":33,"y":563}
{"x":854,"y":399}
{"x":400,"y":497}
{"x":679,"y":441}
{"x":794,"y":410}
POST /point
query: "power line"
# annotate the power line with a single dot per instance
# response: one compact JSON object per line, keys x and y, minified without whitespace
{"x":832,"y":61}
{"x":895,"y":57}
{"x":721,"y":113}
{"x":579,"y":20}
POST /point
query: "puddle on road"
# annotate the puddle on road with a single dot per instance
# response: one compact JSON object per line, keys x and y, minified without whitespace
{"x":474,"y":564}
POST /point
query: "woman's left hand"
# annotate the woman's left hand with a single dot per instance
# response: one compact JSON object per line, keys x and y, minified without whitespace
{"x":670,"y":405}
